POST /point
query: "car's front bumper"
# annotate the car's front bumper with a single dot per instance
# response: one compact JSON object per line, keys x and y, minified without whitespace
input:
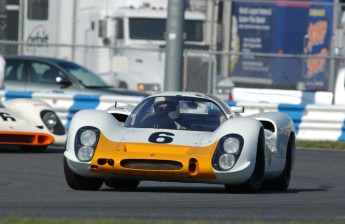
{"x":185,"y":165}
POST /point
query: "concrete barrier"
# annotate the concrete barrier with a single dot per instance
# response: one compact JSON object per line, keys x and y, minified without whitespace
{"x":312,"y":122}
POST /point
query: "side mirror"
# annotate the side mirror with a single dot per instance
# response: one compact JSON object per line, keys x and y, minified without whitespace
{"x":63,"y":81}
{"x":124,"y":106}
{"x":120,"y":105}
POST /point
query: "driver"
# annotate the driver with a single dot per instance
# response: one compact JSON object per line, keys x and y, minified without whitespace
{"x":164,"y":107}
{"x":160,"y":116}
{"x":169,"y":108}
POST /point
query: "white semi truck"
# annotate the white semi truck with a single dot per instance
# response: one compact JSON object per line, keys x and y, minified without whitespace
{"x":125,"y":40}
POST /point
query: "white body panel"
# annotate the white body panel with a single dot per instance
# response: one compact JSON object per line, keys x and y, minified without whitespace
{"x":25,"y":117}
{"x":245,"y":165}
{"x":247,"y":127}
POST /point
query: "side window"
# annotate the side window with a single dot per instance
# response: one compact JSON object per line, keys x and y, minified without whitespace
{"x":119,"y":29}
{"x":43,"y":73}
{"x":102,"y":28}
{"x":14,"y":71}
{"x":38,"y":9}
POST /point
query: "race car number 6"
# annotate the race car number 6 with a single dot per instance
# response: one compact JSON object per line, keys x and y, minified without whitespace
{"x":161,"y":137}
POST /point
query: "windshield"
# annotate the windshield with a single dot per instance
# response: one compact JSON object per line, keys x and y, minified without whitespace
{"x":84,"y":76}
{"x":177,"y":112}
{"x":154,"y":29}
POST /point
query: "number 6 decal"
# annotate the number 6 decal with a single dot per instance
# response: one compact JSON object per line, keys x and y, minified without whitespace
{"x":161,"y":137}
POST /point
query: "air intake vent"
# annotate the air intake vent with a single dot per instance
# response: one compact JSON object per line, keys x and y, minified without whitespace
{"x":145,"y":164}
{"x":17,"y":138}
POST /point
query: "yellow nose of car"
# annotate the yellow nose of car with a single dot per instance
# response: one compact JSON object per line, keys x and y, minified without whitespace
{"x":153,"y":160}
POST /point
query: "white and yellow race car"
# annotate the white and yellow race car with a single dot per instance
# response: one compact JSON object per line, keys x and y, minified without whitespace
{"x":30,"y":124}
{"x":179,"y":136}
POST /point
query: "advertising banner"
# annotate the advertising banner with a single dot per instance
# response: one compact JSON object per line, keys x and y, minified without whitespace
{"x":319,"y":34}
{"x":252,"y":27}
{"x":281,"y":27}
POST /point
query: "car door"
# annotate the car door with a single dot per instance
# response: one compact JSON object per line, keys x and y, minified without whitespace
{"x":32,"y":75}
{"x":42,"y":77}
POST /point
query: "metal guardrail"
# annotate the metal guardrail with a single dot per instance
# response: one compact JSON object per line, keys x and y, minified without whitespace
{"x":312,"y":122}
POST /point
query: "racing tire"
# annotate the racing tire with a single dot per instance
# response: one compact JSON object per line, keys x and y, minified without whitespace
{"x":255,"y":182}
{"x":122,"y":183}
{"x":78,"y":182}
{"x":282,"y":182}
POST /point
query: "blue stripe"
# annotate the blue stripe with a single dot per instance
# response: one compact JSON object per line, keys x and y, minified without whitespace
{"x":9,"y":95}
{"x":82,"y":102}
{"x":295,"y":111}
{"x":230,"y":103}
{"x":342,"y":136}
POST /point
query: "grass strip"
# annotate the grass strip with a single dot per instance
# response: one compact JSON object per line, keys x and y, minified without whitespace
{"x":321,"y":145}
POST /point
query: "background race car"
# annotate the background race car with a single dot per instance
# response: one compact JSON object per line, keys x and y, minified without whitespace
{"x":30,"y":124}
{"x":179,"y":136}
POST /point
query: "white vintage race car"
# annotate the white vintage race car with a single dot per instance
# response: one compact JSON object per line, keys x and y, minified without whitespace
{"x":30,"y":124}
{"x":179,"y":136}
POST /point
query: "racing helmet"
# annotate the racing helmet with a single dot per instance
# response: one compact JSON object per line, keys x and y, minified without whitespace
{"x":163,"y":105}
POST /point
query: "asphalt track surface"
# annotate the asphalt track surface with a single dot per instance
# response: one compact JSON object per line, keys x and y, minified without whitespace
{"x":33,"y":184}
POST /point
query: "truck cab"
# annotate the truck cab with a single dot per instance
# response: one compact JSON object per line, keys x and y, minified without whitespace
{"x":137,"y":35}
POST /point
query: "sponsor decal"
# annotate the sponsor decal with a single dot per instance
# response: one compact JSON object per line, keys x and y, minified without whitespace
{"x":7,"y":117}
{"x":161,"y":137}
{"x":39,"y":105}
{"x":37,"y":38}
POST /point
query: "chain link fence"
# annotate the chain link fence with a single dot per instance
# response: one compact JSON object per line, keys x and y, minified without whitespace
{"x":258,"y":44}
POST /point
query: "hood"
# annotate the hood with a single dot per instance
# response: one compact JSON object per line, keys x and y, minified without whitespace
{"x":167,"y":137}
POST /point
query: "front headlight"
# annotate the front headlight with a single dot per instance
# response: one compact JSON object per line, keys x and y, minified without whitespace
{"x":231,"y":145}
{"x":86,"y":142}
{"x":226,"y":161}
{"x":227,"y":152}
{"x":88,"y":137}
{"x":50,"y":120}
{"x":85,"y":153}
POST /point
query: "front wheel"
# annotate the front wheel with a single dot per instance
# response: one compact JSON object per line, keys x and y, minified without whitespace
{"x":78,"y":182}
{"x":256,"y":180}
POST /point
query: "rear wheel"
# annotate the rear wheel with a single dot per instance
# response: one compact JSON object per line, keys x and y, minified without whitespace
{"x":78,"y":182}
{"x":122,"y":183}
{"x":255,"y":181}
{"x":282,"y":182}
